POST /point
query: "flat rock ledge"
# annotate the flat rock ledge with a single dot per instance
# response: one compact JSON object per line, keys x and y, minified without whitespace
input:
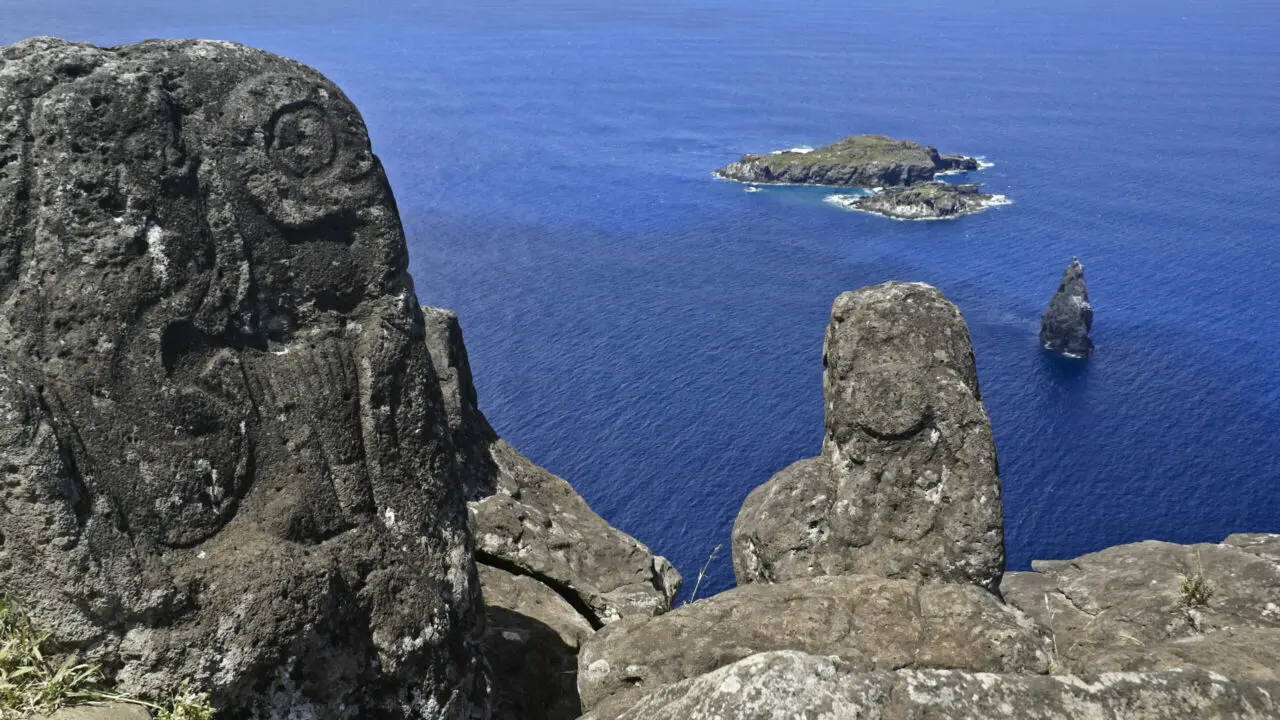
{"x":789,"y":685}
{"x":1125,"y":607}
{"x":871,"y":623}
{"x":99,"y":711}
{"x":923,"y":201}
{"x":856,"y":161}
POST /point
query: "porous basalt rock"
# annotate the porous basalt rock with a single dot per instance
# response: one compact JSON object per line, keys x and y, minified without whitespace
{"x":856,"y":161}
{"x":923,"y":201}
{"x":907,"y":484}
{"x":872,"y":623}
{"x":1124,"y":608}
{"x":788,"y":685}
{"x":551,"y":569}
{"x":224,"y":449}
{"x":1065,"y":325}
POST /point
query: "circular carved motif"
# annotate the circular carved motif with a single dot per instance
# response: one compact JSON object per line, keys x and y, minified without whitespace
{"x":301,"y":140}
{"x":300,"y":148}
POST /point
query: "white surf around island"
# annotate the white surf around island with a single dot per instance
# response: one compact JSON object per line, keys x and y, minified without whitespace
{"x":802,"y":149}
{"x":982,"y":165}
{"x":848,"y":201}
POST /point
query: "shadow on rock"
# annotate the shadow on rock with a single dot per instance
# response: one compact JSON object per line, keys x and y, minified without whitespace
{"x":535,"y":671}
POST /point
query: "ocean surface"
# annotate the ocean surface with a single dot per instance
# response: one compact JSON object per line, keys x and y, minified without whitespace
{"x":654,"y":335}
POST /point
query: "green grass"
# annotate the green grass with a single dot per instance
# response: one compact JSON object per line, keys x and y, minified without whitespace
{"x":36,"y":679}
{"x":1195,"y":590}
{"x":857,"y":149}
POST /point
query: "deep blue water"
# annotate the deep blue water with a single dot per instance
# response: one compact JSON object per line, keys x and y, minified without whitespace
{"x":654,"y":335}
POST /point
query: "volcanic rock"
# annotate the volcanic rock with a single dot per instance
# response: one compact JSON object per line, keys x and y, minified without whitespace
{"x":923,"y":201}
{"x":532,"y":637}
{"x":1065,"y":325}
{"x":551,"y":569}
{"x":856,"y":161}
{"x":907,"y":485}
{"x":1125,"y":608}
{"x":531,"y":522}
{"x":871,"y":623}
{"x":224,"y":449}
{"x":1265,"y":545}
{"x":785,"y":685}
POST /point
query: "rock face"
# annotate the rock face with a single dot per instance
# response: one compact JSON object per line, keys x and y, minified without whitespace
{"x":907,"y":485}
{"x":223,"y":442}
{"x":1124,"y":608}
{"x":856,"y":161}
{"x":531,"y":522}
{"x":551,"y":569}
{"x":532,"y":637}
{"x":1066,"y":322}
{"x":1264,"y":545}
{"x":793,"y":685}
{"x":871,"y":623}
{"x":923,"y":201}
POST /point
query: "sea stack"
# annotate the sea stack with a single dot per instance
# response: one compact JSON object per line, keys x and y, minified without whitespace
{"x":1066,"y":322}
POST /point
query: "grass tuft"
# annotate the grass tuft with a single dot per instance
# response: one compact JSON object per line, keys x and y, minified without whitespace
{"x":33,"y":678}
{"x":1195,"y":590}
{"x":36,"y":679}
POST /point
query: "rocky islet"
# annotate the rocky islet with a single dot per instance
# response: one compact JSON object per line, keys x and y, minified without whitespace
{"x":932,"y":200}
{"x":1065,"y":325}
{"x":899,"y":175}
{"x":865,"y":161}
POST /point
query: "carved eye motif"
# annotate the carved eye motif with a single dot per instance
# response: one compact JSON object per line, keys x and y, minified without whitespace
{"x":299,"y":148}
{"x":301,"y":140}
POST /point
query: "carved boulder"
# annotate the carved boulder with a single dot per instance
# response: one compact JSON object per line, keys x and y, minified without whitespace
{"x":223,"y":449}
{"x":907,"y":484}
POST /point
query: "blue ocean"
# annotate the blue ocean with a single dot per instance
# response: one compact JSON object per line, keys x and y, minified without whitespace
{"x":654,"y":335}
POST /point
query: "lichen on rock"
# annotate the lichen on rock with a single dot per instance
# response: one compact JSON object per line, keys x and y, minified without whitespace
{"x":787,"y":684}
{"x":871,"y":623}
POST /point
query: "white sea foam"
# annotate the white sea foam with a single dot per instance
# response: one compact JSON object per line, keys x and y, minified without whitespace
{"x":803,"y":150}
{"x":752,"y":188}
{"x":849,"y":202}
{"x":982,"y":165}
{"x":844,"y":201}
